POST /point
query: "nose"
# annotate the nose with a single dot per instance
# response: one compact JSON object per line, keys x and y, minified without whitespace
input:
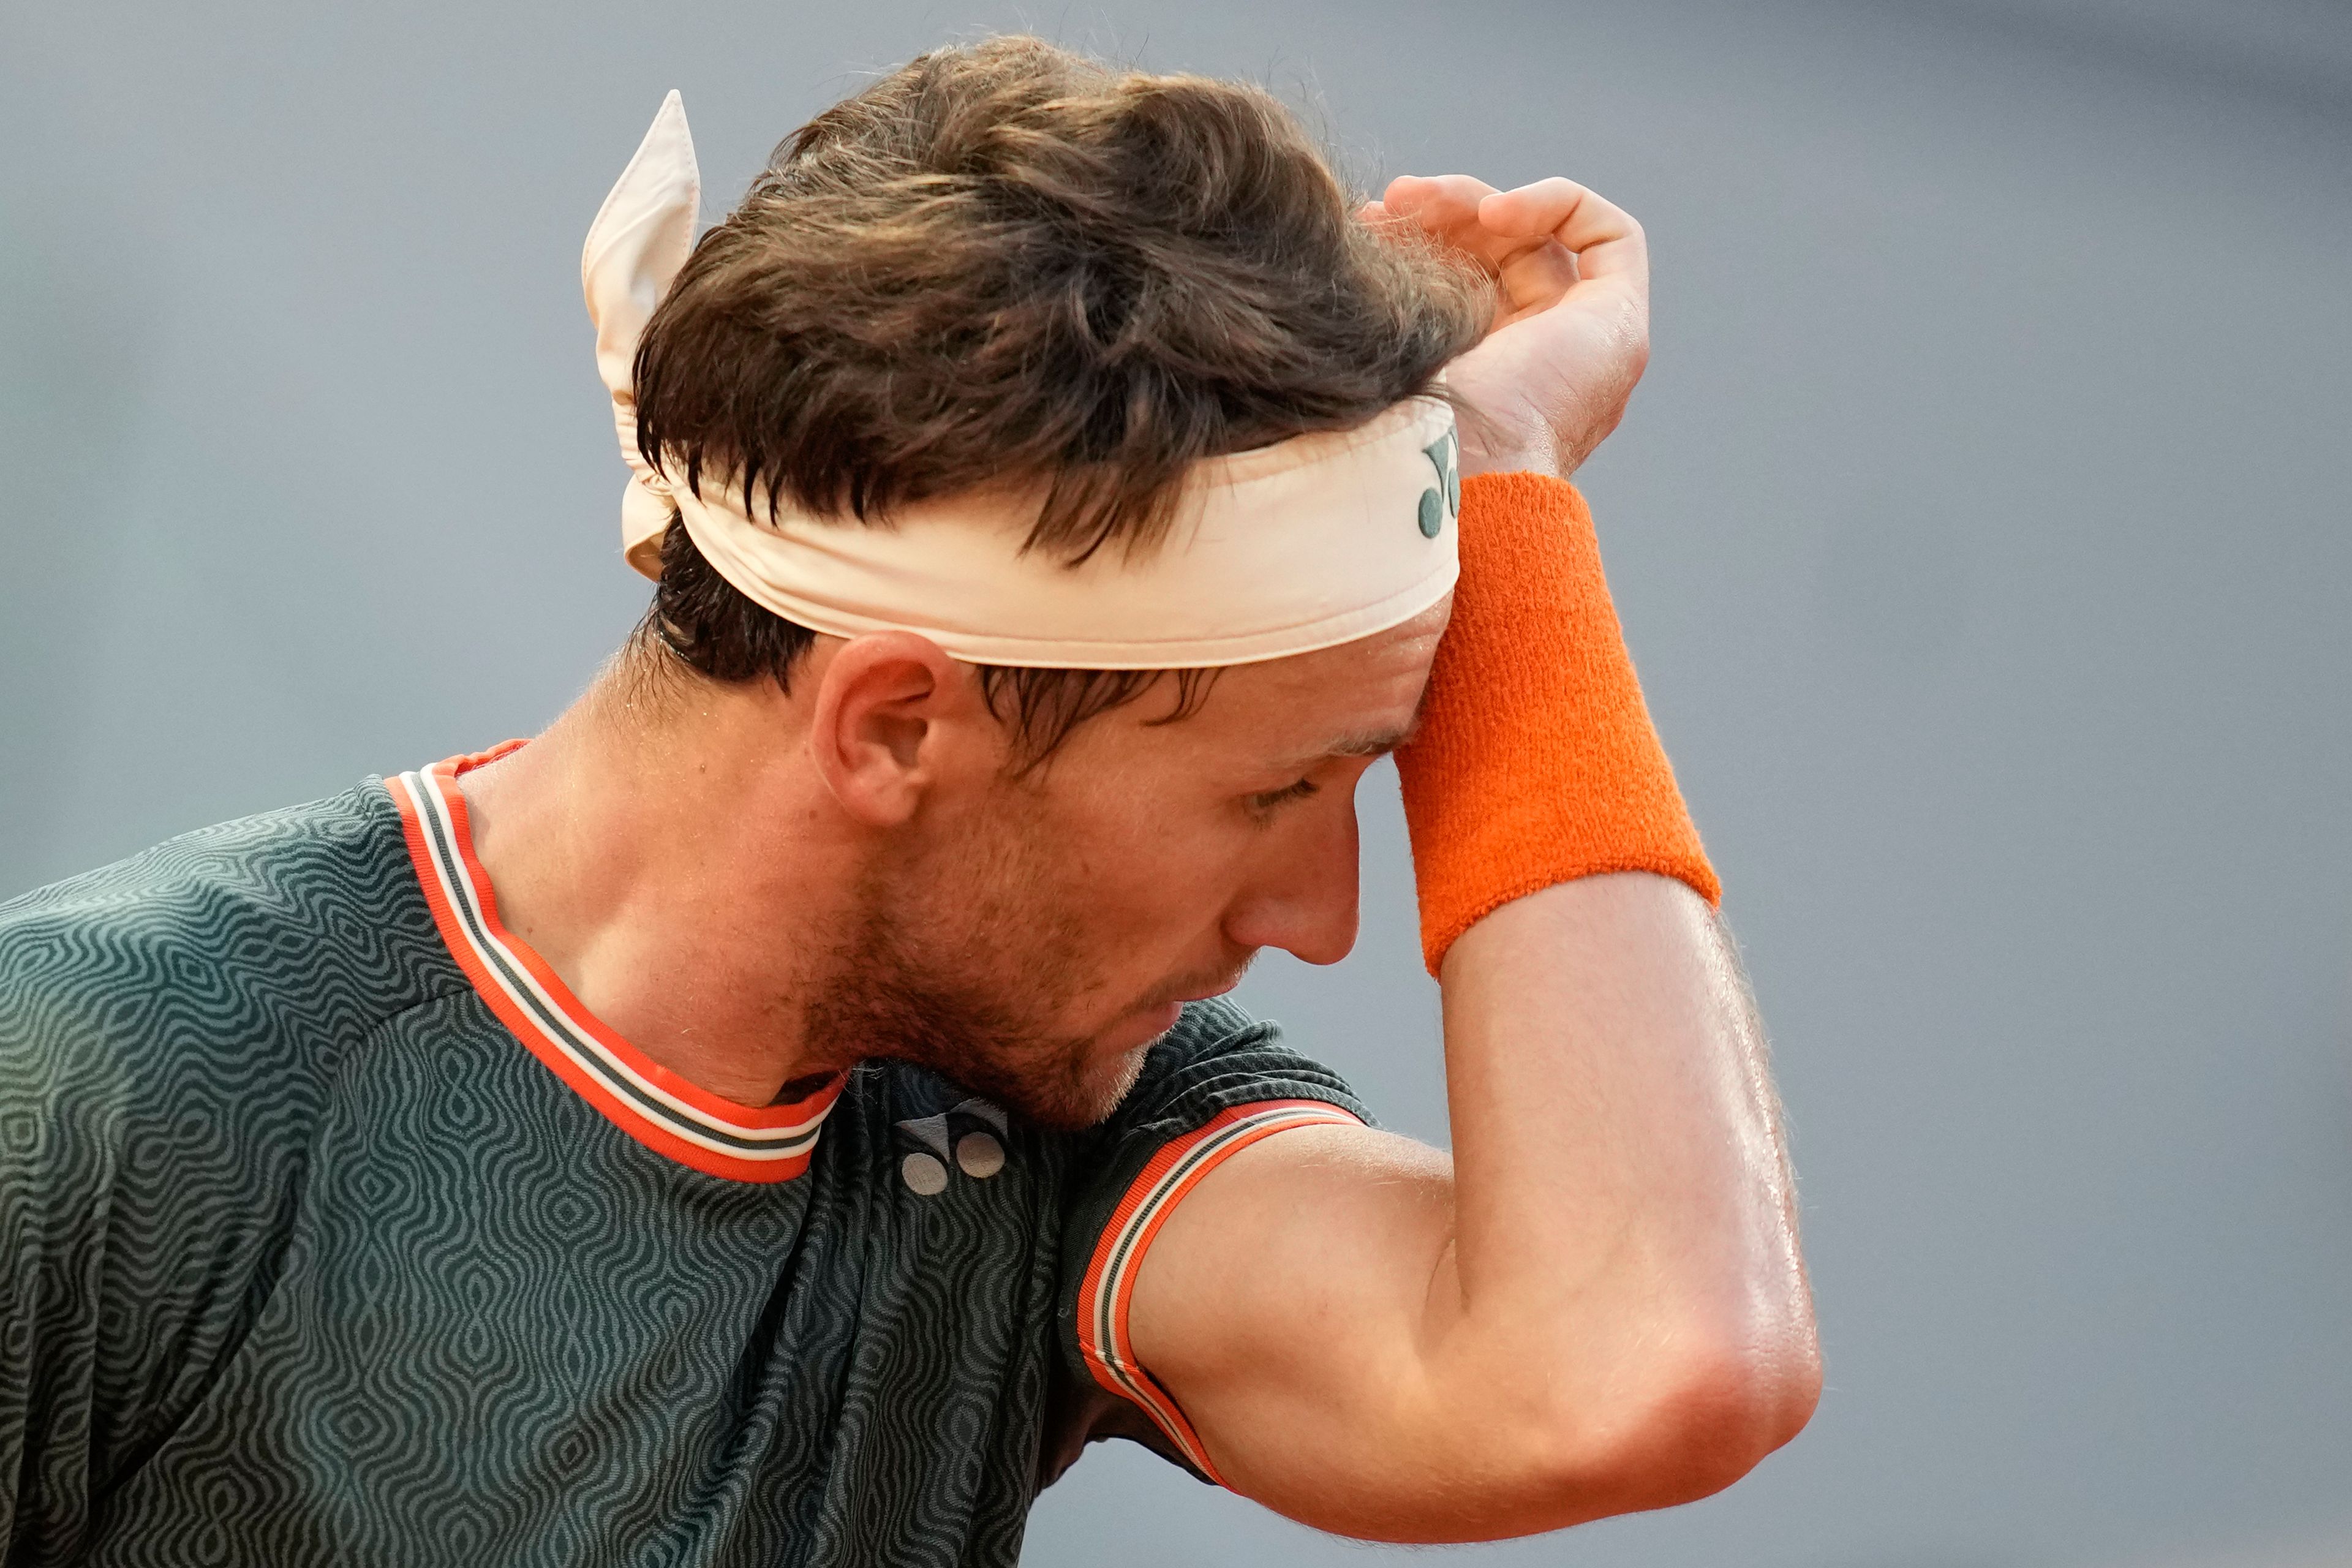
{"x":1301,"y":893}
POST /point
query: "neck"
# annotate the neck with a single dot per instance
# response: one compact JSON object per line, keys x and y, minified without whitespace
{"x":628,"y":847}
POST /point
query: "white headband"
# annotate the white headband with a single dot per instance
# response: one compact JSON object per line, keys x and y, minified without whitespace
{"x":1312,"y":541}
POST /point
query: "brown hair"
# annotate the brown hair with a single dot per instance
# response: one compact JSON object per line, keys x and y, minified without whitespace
{"x":1008,"y":264}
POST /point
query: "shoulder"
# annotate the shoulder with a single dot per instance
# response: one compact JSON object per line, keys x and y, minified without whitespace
{"x":1218,"y":1058}
{"x":1217,"y":1082}
{"x":172,"y":1029}
{"x":304,"y":921}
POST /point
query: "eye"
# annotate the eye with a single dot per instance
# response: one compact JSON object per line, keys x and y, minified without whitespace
{"x":1273,"y":798}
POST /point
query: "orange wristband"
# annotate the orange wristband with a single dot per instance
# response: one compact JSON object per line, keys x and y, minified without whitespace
{"x":1536,"y":761}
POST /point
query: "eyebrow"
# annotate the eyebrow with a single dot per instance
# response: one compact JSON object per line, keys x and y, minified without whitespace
{"x":1362,"y":743}
{"x":1378,"y":744}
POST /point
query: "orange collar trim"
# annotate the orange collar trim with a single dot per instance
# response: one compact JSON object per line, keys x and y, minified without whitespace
{"x":645,"y":1099}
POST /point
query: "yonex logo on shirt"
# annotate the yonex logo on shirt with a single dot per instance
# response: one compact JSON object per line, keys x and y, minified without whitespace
{"x":978,"y":1154}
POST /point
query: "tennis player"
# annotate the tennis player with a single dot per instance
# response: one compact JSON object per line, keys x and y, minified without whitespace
{"x":782,"y":1113}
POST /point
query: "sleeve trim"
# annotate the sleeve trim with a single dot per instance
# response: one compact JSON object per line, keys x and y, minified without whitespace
{"x":1173,"y":1171}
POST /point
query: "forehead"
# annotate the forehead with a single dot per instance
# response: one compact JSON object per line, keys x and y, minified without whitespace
{"x":1357,"y":698}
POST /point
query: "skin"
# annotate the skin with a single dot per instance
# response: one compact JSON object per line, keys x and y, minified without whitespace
{"x":1596,"y":1305}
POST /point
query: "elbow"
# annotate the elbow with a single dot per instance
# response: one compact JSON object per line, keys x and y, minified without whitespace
{"x":1712,"y":1414}
{"x":1696,"y":1413}
{"x":1677,"y":1414}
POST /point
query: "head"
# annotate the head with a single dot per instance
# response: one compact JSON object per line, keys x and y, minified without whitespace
{"x":1009,"y":267}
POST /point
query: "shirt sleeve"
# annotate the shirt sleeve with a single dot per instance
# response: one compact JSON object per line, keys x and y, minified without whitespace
{"x":1218,"y":1083}
{"x":64,"y":1188}
{"x":136,"y":1239}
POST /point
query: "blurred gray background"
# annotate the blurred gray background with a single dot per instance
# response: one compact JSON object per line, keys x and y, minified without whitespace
{"x":1980,"y":530}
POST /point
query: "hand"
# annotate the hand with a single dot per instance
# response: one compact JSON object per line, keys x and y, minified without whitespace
{"x":1571,"y":329}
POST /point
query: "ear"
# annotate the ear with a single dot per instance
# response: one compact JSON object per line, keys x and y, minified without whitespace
{"x":897,"y":719}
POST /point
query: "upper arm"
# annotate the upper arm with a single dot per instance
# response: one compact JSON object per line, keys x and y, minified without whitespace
{"x":1124,"y":1249}
{"x":1270,"y":1280}
{"x":1290,"y":1307}
{"x":1302,"y":1308}
{"x":1288,"y":1295}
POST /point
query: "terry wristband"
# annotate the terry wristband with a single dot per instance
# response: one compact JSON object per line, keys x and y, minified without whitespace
{"x":1536,"y":761}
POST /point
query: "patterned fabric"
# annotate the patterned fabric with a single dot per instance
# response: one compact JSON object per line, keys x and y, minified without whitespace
{"x":639,"y":1096}
{"x":329,"y":1234}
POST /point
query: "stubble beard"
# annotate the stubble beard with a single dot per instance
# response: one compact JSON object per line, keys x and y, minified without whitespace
{"x":945,"y":990}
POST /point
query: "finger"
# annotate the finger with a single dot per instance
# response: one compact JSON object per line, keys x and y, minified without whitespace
{"x":1447,"y":208}
{"x":1536,"y":273}
{"x":1602,"y":236}
{"x":1437,"y":197}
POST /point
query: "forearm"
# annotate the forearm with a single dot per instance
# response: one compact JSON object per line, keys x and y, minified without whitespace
{"x":1624,"y":1275}
{"x":1623,"y":1262}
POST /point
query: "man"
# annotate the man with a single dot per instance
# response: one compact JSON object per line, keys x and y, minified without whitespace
{"x":782,"y":1114}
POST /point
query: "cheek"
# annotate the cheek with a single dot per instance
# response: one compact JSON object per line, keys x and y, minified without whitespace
{"x":1151,"y":870}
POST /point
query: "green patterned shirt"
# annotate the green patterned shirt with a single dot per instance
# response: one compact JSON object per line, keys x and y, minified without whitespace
{"x":332,"y":1227}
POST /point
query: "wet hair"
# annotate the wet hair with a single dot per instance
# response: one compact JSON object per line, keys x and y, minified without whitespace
{"x":1007,"y":263}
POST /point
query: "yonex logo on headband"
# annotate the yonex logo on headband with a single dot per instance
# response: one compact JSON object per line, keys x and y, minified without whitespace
{"x":1444,"y":502}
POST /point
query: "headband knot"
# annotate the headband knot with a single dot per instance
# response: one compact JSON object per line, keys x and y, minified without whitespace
{"x":642,"y":237}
